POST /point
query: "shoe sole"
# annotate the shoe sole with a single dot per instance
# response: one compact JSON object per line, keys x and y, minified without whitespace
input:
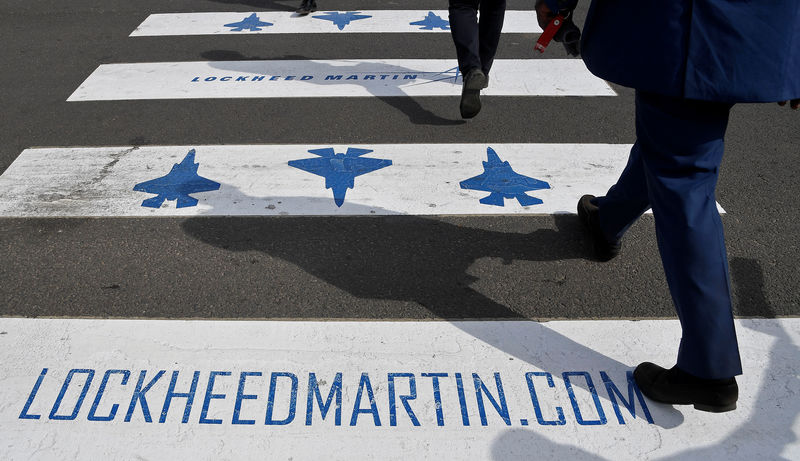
{"x":715,"y":408}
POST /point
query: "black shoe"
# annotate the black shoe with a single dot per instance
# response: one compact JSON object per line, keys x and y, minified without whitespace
{"x":306,"y":7}
{"x":676,"y":387}
{"x":588,"y":213}
{"x":474,"y":82}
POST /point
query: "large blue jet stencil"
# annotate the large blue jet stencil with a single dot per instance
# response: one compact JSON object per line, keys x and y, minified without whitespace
{"x":342,"y":19}
{"x":503,"y":182}
{"x":251,"y":23}
{"x":432,"y":21}
{"x":181,"y":181}
{"x":340,"y":170}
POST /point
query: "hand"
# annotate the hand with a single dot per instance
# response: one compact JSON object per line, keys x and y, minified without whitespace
{"x":794,"y":103}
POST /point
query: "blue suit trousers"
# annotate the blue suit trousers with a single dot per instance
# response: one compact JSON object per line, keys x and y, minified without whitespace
{"x":673,"y":168}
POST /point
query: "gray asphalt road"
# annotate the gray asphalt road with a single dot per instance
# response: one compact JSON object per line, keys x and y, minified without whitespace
{"x":370,"y":268}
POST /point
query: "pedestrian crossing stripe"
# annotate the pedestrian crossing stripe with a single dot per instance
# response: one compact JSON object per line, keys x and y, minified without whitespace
{"x":388,"y":390}
{"x":332,"y":78}
{"x":273,"y":22}
{"x":276,"y":180}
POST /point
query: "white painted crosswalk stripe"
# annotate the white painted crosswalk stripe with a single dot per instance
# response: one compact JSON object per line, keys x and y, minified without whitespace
{"x":377,"y":390}
{"x":336,"y":78}
{"x":267,"y":180}
{"x":277,"y":22}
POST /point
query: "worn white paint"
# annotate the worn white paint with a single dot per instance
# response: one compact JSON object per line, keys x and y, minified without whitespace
{"x":257,"y":180}
{"x":381,"y":21}
{"x":357,"y":78}
{"x":765,"y":426}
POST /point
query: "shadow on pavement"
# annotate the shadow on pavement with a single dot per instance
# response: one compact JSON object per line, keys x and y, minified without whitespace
{"x":767,"y":433}
{"x":424,"y":261}
{"x":405,"y":104}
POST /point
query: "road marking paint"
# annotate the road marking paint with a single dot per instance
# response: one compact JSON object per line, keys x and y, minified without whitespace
{"x":272,"y":22}
{"x":369,"y":390}
{"x":336,"y":78}
{"x":308,"y":180}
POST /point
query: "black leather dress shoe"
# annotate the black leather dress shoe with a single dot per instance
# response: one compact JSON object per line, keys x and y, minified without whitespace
{"x":588,"y":213}
{"x":677,"y":387}
{"x":474,"y":81}
{"x":308,"y":6}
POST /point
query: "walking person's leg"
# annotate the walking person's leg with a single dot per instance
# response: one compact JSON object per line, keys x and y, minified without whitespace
{"x":490,"y":28}
{"x":681,"y":144}
{"x":465,"y":32}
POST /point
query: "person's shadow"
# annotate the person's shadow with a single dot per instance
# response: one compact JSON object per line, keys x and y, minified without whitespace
{"x":774,"y":410}
{"x":219,"y":59}
{"x":422,"y":261}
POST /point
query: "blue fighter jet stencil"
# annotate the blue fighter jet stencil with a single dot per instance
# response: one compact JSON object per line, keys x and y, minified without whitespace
{"x":503,"y":182}
{"x":342,"y":19}
{"x":340,"y":170}
{"x":251,"y":23}
{"x":432,"y":21}
{"x":181,"y":181}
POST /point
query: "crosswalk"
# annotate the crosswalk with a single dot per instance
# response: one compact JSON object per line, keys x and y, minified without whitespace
{"x":482,"y":389}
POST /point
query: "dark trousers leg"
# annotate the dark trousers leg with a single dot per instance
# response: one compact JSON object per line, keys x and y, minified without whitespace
{"x":476,"y":44}
{"x":677,"y":156}
{"x":490,"y":27}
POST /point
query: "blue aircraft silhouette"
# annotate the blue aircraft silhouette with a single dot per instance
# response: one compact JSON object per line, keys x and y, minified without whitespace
{"x":340,"y":170}
{"x":181,"y":181}
{"x":503,"y":182}
{"x":432,"y":21}
{"x":342,"y":19}
{"x":251,"y":23}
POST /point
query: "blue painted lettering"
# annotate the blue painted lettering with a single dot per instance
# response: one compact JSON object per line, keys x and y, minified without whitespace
{"x":501,"y":407}
{"x":352,"y":77}
{"x":196,"y":79}
{"x":373,"y":408}
{"x":274,"y":78}
{"x":210,"y":396}
{"x":630,"y":404}
{"x":189,"y":396}
{"x":241,"y":79}
{"x":241,"y":396}
{"x":257,"y":78}
{"x":369,"y":77}
{"x":89,"y":375}
{"x":333,"y":77}
{"x":410,"y":77}
{"x":535,"y":400}
{"x":412,"y":395}
{"x":139,"y":396}
{"x":210,"y":79}
{"x":462,"y":399}
{"x":437,"y":396}
{"x":93,"y":411}
{"x":24,"y":413}
{"x":273,"y":384}
{"x":290,"y":77}
{"x":601,"y":415}
{"x":306,"y":77}
{"x":313,"y":392}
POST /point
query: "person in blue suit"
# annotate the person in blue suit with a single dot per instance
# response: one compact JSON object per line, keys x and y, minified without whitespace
{"x":476,"y":44}
{"x":690,"y":61}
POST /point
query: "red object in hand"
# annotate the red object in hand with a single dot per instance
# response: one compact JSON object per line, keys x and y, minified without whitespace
{"x":549,"y":32}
